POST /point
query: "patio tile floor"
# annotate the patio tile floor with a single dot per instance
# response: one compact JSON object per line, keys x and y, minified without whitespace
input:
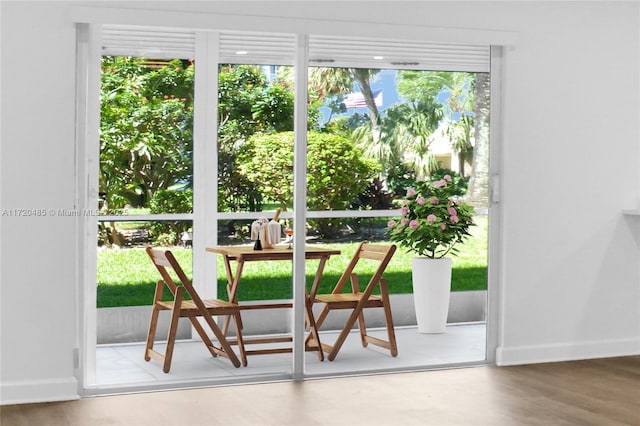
{"x":124,"y":365}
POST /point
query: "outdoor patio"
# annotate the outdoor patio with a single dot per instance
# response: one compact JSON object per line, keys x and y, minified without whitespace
{"x":122,"y":366}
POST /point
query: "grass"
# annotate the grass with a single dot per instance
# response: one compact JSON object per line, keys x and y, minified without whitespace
{"x":127,"y":277}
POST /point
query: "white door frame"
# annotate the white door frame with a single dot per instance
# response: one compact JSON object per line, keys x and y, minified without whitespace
{"x":494,"y":263}
{"x":205,"y":143}
{"x":87,"y":171}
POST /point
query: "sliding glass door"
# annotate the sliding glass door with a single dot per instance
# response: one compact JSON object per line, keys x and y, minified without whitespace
{"x":217,"y":129}
{"x":386,"y":118}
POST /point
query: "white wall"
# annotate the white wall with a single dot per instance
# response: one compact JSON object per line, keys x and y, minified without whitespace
{"x":570,"y":266}
{"x":571,"y":261}
{"x":37,"y":168}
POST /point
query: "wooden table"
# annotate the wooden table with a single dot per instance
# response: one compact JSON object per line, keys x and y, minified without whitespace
{"x":242,"y":254}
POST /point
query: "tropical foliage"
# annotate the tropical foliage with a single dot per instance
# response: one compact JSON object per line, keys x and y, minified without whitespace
{"x":147,"y":143}
{"x":145,"y":130}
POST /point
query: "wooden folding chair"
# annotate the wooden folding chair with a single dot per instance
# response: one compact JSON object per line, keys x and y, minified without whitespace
{"x":180,"y":307}
{"x":357,"y":300}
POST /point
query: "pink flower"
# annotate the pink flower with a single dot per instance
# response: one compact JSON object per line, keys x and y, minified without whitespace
{"x":439,"y":183}
{"x":404,"y":210}
{"x":421,"y":201}
{"x":404,"y":221}
{"x":405,"y":202}
{"x":391,"y":223}
{"x":454,"y":219}
{"x":447,"y":178}
{"x":452,"y":211}
{"x":434,"y":200}
{"x":419,"y":179}
{"x":443,"y":226}
{"x":413,"y":224}
{"x":431,"y":218}
{"x":411,"y":192}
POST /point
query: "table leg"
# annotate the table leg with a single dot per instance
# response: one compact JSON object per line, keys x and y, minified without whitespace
{"x":232,"y":289}
{"x":313,"y":329}
{"x":227,"y":267}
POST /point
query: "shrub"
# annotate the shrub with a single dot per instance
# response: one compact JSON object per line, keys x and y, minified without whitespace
{"x":433,"y":219}
{"x":170,"y":201}
{"x":401,"y":179}
{"x":336,"y":171}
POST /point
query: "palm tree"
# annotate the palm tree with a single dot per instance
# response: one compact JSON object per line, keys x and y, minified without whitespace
{"x":339,"y":81}
{"x":363,"y":78}
{"x":404,"y":134}
{"x":459,"y":134}
{"x":478,"y":190}
{"x":330,"y":81}
{"x":410,"y":127}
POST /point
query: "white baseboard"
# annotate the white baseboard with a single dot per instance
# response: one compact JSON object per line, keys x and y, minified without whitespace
{"x":27,"y":392}
{"x":535,"y":354}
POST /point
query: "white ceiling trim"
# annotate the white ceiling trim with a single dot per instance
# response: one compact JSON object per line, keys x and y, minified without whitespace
{"x":292,"y":25}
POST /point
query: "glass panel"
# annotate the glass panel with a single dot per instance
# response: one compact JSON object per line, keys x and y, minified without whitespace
{"x":255,"y":174}
{"x":146,"y":168}
{"x":255,"y":138}
{"x":146,"y":136}
{"x":379,"y":134}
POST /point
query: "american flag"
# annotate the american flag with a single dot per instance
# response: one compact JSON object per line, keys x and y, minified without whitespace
{"x":356,"y":99}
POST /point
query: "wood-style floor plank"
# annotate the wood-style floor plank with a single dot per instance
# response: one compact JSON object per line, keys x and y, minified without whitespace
{"x":590,"y":392}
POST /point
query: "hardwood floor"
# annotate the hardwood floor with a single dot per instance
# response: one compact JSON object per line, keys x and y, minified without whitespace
{"x":590,"y":392}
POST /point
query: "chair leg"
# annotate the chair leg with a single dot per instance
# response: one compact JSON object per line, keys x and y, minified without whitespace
{"x":239,"y":338}
{"x":203,"y":335}
{"x":345,"y":331}
{"x":321,"y":346}
{"x":389,"y":319}
{"x":322,"y":316}
{"x":225,"y":348}
{"x":151,"y":335}
{"x":363,"y":330}
{"x":153,"y":323}
{"x":355,"y":286}
{"x":173,"y":331}
{"x":214,"y":350}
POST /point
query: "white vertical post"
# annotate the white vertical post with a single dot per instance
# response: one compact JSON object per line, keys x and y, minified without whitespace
{"x":299,"y":203}
{"x":495,"y":295}
{"x":87,"y":170}
{"x":205,"y":163}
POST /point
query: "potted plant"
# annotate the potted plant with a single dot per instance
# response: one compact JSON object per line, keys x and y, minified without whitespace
{"x":433,"y":220}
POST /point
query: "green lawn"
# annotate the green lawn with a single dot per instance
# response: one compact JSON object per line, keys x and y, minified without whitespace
{"x":127,"y":277}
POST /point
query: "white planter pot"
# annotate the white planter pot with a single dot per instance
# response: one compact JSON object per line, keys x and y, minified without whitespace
{"x":431,"y":291}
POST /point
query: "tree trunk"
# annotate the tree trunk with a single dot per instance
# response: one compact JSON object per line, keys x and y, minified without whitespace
{"x":362,"y":78}
{"x":461,"y":160}
{"x":478,"y":190}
